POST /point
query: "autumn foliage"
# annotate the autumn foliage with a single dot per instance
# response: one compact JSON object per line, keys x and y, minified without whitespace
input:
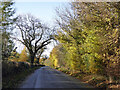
{"x":89,"y":39}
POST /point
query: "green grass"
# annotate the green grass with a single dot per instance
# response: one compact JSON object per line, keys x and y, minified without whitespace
{"x":13,"y":81}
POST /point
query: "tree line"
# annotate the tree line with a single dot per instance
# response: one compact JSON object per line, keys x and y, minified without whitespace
{"x":89,"y":39}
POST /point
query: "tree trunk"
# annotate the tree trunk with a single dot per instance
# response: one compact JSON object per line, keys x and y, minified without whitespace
{"x":39,"y":57}
{"x":38,"y":60}
{"x":32,"y":56}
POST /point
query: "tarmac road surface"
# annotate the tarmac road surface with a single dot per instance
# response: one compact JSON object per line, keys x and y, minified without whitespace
{"x":46,"y":77}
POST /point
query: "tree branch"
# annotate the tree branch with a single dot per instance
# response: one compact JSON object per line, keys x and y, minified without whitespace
{"x":39,"y":39}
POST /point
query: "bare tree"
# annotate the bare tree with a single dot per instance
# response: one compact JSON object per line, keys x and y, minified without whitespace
{"x":35,"y":35}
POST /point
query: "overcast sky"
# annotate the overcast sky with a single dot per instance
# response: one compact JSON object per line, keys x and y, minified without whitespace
{"x":44,"y":10}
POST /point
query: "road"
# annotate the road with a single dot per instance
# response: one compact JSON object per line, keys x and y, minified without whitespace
{"x":46,"y":77}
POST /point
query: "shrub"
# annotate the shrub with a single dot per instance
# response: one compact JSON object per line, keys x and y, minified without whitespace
{"x":10,"y":67}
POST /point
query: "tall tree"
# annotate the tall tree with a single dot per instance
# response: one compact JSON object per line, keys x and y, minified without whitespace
{"x":92,"y":33}
{"x":7,"y":11}
{"x":70,"y":34}
{"x":35,"y":35}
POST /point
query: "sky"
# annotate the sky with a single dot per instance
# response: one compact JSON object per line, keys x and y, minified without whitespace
{"x":44,"y":10}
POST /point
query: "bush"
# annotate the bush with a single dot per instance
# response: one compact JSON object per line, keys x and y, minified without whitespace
{"x":10,"y":67}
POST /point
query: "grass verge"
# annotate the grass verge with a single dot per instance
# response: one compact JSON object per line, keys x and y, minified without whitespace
{"x":14,"y":80}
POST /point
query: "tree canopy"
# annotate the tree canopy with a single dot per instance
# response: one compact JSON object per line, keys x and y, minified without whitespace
{"x":35,"y":34}
{"x":90,"y":37}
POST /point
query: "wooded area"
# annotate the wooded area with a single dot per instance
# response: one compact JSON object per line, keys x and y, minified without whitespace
{"x":88,"y":36}
{"x":89,"y":39}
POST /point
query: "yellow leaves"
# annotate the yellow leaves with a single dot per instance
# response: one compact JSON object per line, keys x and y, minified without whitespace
{"x":96,"y":54}
{"x":23,"y":56}
{"x":56,"y":63}
{"x":92,"y":35}
{"x":108,"y":19}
